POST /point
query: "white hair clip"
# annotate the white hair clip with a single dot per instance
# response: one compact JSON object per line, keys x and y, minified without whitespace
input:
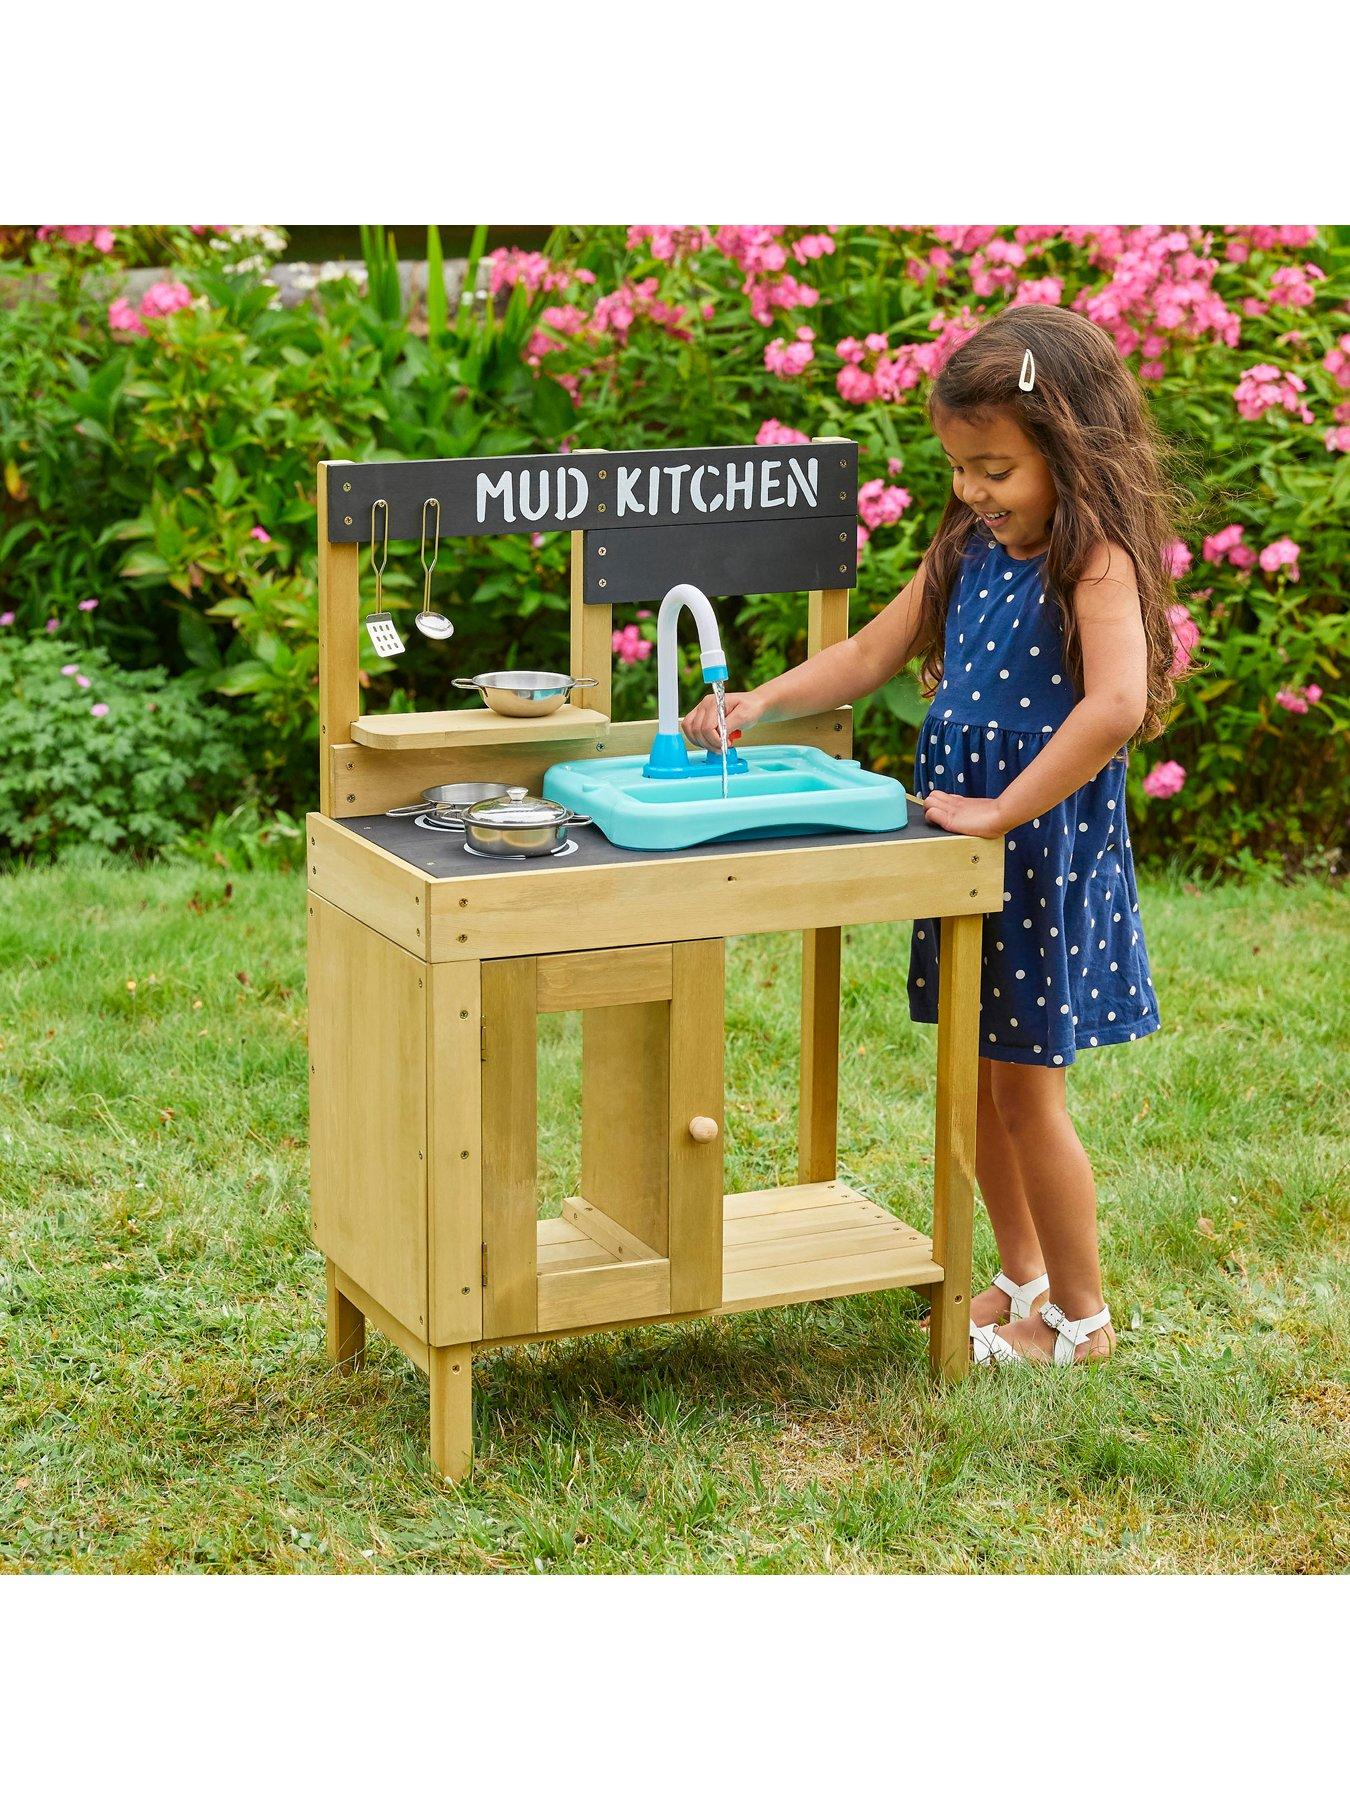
{"x":1027,"y":379}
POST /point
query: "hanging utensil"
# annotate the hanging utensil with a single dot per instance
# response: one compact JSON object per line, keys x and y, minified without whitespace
{"x":380,"y":626}
{"x":431,"y":624}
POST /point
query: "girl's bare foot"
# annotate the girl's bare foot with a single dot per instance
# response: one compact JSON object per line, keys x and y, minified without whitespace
{"x":1033,"y":1339}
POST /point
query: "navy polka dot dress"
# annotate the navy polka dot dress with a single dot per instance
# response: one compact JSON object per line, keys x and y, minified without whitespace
{"x":1065,"y":966}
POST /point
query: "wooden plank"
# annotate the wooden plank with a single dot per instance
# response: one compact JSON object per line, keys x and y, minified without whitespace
{"x":339,"y":642}
{"x":572,"y":1297}
{"x":822,"y":1246}
{"x":367,"y":1053}
{"x":569,"y":982}
{"x":750,"y":891}
{"x":383,"y":1321}
{"x":907,"y":1265}
{"x":818,"y":1102}
{"x":370,"y":781}
{"x":470,"y":726}
{"x":454,"y":1153}
{"x":954,"y":1144}
{"x":346,"y":1324}
{"x":509,"y":1145}
{"x":450,"y":1375}
{"x":808,"y":1221}
{"x":592,"y":627}
{"x":625,"y":1135}
{"x":368,"y":883}
{"x":696,"y":1089}
{"x":606,"y":1233}
{"x":791,"y":1199}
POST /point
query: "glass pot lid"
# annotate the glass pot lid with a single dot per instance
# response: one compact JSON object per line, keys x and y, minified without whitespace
{"x":518,"y":806}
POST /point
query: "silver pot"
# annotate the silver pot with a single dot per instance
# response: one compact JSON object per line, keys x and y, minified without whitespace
{"x":524,"y":693}
{"x":518,"y":823}
{"x":449,"y":799}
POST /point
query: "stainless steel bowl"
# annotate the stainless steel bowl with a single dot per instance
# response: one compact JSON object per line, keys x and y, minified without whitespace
{"x":449,"y":799}
{"x":518,"y":823}
{"x":524,"y":693}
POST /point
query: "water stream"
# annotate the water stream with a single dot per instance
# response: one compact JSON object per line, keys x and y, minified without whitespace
{"x":719,"y":689}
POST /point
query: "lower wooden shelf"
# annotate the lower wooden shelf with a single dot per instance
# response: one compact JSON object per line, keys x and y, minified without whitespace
{"x":814,"y":1241}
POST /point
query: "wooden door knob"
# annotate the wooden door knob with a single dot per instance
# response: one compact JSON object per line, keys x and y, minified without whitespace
{"x":703,"y":1130}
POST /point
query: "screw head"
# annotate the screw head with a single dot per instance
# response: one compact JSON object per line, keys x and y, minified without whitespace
{"x":602,"y":550}
{"x":347,"y":520}
{"x":603,"y":582}
{"x":346,"y":487}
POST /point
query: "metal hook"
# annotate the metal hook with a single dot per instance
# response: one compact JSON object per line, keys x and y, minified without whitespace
{"x":427,"y":567}
{"x":377,"y":564}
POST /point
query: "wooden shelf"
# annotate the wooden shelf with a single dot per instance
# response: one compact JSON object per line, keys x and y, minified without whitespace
{"x":468,"y":727}
{"x":815,"y":1242}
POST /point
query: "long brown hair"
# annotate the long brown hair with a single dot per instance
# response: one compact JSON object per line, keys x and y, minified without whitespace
{"x":1087,"y":418}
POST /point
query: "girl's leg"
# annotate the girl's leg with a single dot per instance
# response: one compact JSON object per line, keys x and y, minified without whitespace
{"x":1005,"y":1200}
{"x":1031,"y":1102}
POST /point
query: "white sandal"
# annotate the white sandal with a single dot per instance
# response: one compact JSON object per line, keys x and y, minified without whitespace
{"x":989,"y":1347}
{"x":1019,"y":1305}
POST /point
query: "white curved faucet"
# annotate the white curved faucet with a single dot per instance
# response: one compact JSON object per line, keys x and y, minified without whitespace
{"x":669,"y":755}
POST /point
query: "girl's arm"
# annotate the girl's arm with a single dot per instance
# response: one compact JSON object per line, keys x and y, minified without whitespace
{"x":1115,"y":697}
{"x":832,"y":677}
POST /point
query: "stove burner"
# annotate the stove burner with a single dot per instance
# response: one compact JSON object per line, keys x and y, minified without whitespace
{"x":566,"y":849}
{"x":430,"y":822}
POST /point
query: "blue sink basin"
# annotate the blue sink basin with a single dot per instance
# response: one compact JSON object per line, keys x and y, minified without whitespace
{"x":781,"y":790}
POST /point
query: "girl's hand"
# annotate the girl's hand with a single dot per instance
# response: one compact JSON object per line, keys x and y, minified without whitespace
{"x":967,"y":816}
{"x":700,"y":724}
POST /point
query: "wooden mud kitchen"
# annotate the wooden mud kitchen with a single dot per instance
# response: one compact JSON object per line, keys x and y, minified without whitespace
{"x":606,"y":880}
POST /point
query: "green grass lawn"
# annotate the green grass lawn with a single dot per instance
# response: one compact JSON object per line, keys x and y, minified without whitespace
{"x":165,"y":1405}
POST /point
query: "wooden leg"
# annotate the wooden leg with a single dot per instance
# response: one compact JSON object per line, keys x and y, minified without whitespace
{"x":818,"y":1111}
{"x":346,"y":1326}
{"x":958,"y":1075}
{"x":451,"y":1373}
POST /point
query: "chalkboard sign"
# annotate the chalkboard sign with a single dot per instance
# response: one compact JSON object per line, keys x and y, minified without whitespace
{"x":740,"y":518}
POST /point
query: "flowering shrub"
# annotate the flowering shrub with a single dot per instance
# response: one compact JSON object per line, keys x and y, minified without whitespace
{"x":159,"y":455}
{"x":125,"y":759}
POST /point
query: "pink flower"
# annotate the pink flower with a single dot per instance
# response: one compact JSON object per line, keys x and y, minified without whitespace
{"x":629,"y":645}
{"x":70,"y":668}
{"x":1291,"y":700}
{"x":6,"y":618}
{"x":772,"y":432}
{"x":1292,"y":287}
{"x":863,"y":534}
{"x":1312,"y":693}
{"x":881,"y":505}
{"x":1176,"y":559}
{"x":83,"y":681}
{"x":87,"y":605}
{"x":895,"y":465}
{"x":669,"y":242}
{"x":1282,"y":554}
{"x":814,"y":244}
{"x":849,"y":350}
{"x":1047,"y":290}
{"x":53,"y":625}
{"x":1336,"y":362}
{"x":99,"y":709}
{"x":537,"y":539}
{"x":122,"y":316}
{"x":1263,"y":386}
{"x":263,"y":537}
{"x":1338,"y":438}
{"x":1226,"y":546}
{"x":1185,"y":636}
{"x":1162,"y":782}
{"x":787,"y":360}
{"x":164,"y":297}
{"x":855,"y":385}
{"x":100,"y":236}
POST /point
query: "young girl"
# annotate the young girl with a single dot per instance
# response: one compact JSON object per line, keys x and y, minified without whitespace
{"x":1040,"y":614}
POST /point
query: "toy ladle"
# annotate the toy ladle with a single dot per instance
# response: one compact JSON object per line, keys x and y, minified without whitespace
{"x":431,"y":624}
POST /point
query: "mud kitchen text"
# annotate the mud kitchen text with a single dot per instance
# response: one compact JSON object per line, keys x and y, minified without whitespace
{"x":663,"y":493}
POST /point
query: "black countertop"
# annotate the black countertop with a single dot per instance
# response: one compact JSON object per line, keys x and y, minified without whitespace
{"x":442,"y":854}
